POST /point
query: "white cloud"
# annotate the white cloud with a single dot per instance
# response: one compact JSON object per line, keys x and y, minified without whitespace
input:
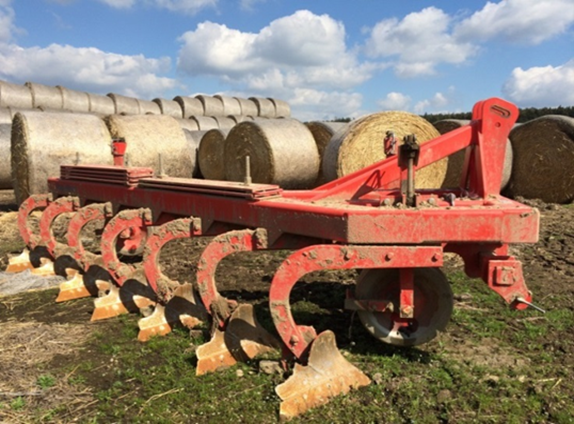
{"x":419,"y":42}
{"x":542,"y":86}
{"x":439,"y":102}
{"x":88,"y":69}
{"x":435,"y":104}
{"x":309,"y":104}
{"x":119,"y":4}
{"x":395,"y":101}
{"x":189,"y":7}
{"x":7,"y":27}
{"x":520,"y":21}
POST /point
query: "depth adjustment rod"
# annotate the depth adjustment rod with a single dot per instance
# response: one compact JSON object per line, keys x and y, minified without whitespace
{"x":409,"y":153}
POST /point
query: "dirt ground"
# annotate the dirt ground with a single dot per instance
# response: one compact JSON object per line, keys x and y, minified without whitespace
{"x":38,"y":334}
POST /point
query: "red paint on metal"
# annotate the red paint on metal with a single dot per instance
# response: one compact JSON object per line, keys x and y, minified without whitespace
{"x":31,"y":204}
{"x":96,"y":212}
{"x":52,"y":211}
{"x":407,"y":296}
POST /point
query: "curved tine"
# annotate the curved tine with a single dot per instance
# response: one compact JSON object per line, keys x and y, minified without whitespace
{"x":32,"y":203}
{"x":54,"y":210}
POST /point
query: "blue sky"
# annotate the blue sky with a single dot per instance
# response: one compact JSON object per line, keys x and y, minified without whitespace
{"x":327,"y":58}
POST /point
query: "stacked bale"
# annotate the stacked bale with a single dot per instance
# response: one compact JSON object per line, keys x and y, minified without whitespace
{"x":190,"y":106}
{"x":148,"y":136}
{"x":543,"y":156}
{"x":231,"y":105}
{"x":360,"y":144}
{"x":212,"y":106}
{"x":248,"y":107}
{"x":5,"y":170}
{"x":281,"y":152}
{"x":187,"y":124}
{"x":205,"y":123}
{"x":45,"y":97}
{"x":265,"y":107}
{"x":125,"y":105}
{"x":13,"y":95}
{"x":148,"y":107}
{"x":101,"y":105}
{"x":41,"y":142}
{"x":193,"y":142}
{"x":282,"y":108}
{"x":224,"y":122}
{"x":211,"y":154}
{"x":74,"y":101}
{"x":169,"y":107}
{"x":322,"y":134}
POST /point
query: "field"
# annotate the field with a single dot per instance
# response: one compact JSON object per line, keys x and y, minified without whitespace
{"x":492,"y":365}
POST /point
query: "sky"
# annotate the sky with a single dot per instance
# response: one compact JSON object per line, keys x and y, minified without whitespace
{"x":327,"y":58}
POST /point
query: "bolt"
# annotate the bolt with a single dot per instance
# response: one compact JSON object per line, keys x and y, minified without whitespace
{"x":294,"y":340}
{"x":389,"y":256}
{"x":434,"y":258}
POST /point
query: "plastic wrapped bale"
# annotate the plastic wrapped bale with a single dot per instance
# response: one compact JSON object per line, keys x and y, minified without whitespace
{"x":45,"y":97}
{"x":193,"y":142}
{"x":187,"y":124}
{"x":190,"y":106}
{"x":322,"y":133}
{"x":281,"y":151}
{"x":75,"y":101}
{"x":14,"y":95}
{"x":169,"y":108}
{"x":456,"y":160}
{"x":148,"y":136}
{"x":5,"y":169}
{"x":125,"y":105}
{"x":101,"y":105}
{"x":41,"y":142}
{"x":360,"y":144}
{"x":212,"y":106}
{"x":205,"y":123}
{"x":265,"y":107}
{"x":248,"y":107}
{"x":543,"y":151}
{"x":224,"y":122}
{"x":211,"y":154}
{"x":282,"y":108}
{"x":148,"y":107}
{"x":231,"y":105}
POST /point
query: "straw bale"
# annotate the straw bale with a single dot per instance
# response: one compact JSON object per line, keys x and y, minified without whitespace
{"x":193,"y":142}
{"x":41,"y":142}
{"x":45,"y":96}
{"x":282,"y":108}
{"x":187,"y":124}
{"x":148,"y":107}
{"x":212,"y":106}
{"x":205,"y":123}
{"x":101,"y":105}
{"x":456,"y":160}
{"x":322,"y":133}
{"x":14,"y":95}
{"x":360,"y":144}
{"x":211,"y":154}
{"x":248,"y":107}
{"x":224,"y":122}
{"x":5,"y":169}
{"x":148,"y":136}
{"x":543,"y":156}
{"x":231,"y":105}
{"x":75,"y":101}
{"x":281,"y":151}
{"x":169,"y":107}
{"x":5,"y":116}
{"x":190,"y":106}
{"x":125,"y":105}
{"x":265,"y":107}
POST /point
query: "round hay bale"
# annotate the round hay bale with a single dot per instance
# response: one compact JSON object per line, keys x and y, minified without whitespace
{"x":231,"y":105}
{"x":148,"y":107}
{"x":265,"y":107}
{"x":14,"y":95}
{"x":190,"y":106}
{"x":101,"y":105}
{"x":211,"y":156}
{"x":248,"y":107}
{"x":148,"y":136}
{"x":212,"y":106}
{"x":45,"y":97}
{"x":282,"y":108}
{"x":5,"y":169}
{"x":125,"y":105}
{"x":205,"y":123}
{"x":236,"y":118}
{"x":281,"y":152}
{"x":169,"y":108}
{"x":322,"y":133}
{"x":224,"y":122}
{"x":193,"y":142}
{"x":456,"y":160}
{"x":543,"y":152}
{"x":5,"y":116}
{"x":75,"y":101}
{"x":360,"y":144}
{"x":41,"y":142}
{"x":187,"y":124}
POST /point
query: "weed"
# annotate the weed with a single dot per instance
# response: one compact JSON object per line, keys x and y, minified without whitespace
{"x":18,"y":403}
{"x":46,"y":381}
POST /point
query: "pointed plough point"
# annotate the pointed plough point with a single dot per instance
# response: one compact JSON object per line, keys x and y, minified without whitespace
{"x":109,"y":306}
{"x":326,"y":375}
{"x":243,"y":339}
{"x":46,"y":268}
{"x":20,"y":263}
{"x":73,"y":287}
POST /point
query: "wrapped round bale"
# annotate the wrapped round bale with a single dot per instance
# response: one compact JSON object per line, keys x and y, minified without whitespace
{"x":75,"y":101}
{"x":231,"y":105}
{"x":190,"y":106}
{"x":248,"y":107}
{"x":169,"y":107}
{"x":282,"y":108}
{"x":187,"y":124}
{"x":125,"y":105}
{"x":265,"y":107}
{"x":224,"y":122}
{"x":45,"y":97}
{"x":14,"y":95}
{"x":148,"y":107}
{"x":543,"y":152}
{"x":205,"y":123}
{"x":281,"y":151}
{"x":456,"y":160}
{"x":212,"y":106}
{"x":5,"y":169}
{"x":211,"y":154}
{"x":360,"y":144}
{"x":41,"y":142}
{"x":101,"y":105}
{"x":148,"y":136}
{"x":322,"y":133}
